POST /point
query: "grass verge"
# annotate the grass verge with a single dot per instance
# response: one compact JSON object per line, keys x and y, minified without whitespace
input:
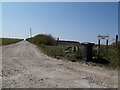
{"x":107,"y":59}
{"x":7,"y":41}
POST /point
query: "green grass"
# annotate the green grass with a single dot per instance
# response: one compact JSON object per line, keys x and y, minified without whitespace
{"x":7,"y":41}
{"x":59,"y":51}
{"x":110,"y":56}
{"x":108,"y":59}
{"x":52,"y":50}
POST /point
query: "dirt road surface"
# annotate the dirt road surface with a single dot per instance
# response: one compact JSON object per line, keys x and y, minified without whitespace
{"x":25,"y":66}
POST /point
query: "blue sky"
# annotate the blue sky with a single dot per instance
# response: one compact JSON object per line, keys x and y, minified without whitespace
{"x":82,"y":22}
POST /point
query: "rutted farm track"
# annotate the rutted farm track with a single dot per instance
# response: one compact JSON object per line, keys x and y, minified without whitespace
{"x":25,"y":66}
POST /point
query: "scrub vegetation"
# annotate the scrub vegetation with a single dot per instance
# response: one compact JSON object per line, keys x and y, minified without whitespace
{"x":47,"y":44}
{"x":107,"y":57}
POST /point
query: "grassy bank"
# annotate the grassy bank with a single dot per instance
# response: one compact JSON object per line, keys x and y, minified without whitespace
{"x":48,"y":44}
{"x":108,"y":58}
{"x":7,"y":41}
{"x":49,"y":47}
{"x":60,"y":51}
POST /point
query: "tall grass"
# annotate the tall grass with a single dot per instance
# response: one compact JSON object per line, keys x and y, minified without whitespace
{"x":111,"y":55}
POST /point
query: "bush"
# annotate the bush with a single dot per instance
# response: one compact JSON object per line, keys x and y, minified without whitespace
{"x":42,"y":39}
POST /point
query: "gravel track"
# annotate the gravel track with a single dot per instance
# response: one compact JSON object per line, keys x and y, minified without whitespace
{"x":25,"y":66}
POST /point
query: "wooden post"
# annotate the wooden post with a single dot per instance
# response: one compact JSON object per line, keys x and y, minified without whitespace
{"x":116,"y":40}
{"x":106,"y":48}
{"x":99,"y":43}
{"x":106,"y":45}
{"x":57,"y":41}
{"x":98,"y":47}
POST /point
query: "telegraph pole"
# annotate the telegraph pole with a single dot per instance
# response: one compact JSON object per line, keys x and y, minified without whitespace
{"x":30,"y":32}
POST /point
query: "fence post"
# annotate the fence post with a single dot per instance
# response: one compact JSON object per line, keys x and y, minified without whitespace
{"x":107,"y":45}
{"x":116,"y":40}
{"x":57,"y":41}
{"x":98,"y":47}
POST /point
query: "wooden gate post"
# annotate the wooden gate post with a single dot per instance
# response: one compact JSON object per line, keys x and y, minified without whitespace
{"x":98,"y":47}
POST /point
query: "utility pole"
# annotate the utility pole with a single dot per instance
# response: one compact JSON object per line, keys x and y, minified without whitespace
{"x":30,"y":32}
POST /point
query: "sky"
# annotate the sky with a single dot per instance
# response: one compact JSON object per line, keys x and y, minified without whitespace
{"x":79,"y":21}
{"x":60,"y":0}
